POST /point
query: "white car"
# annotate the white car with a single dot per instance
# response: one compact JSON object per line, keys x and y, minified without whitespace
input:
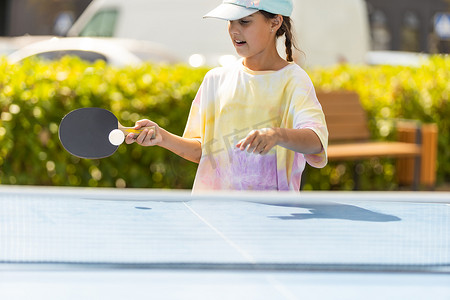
{"x":10,"y":44}
{"x":116,"y":52}
{"x":6,"y":47}
{"x":396,"y":58}
{"x":207,"y":42}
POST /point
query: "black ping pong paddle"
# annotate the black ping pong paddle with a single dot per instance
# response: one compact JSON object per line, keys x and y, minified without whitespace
{"x":93,"y":132}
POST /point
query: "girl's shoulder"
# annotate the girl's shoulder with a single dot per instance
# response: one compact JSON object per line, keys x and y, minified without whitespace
{"x":295,"y":75}
{"x":218,"y":73}
{"x":296,"y":70}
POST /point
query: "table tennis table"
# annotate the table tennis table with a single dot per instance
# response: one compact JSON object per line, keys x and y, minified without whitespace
{"x":99,"y":243}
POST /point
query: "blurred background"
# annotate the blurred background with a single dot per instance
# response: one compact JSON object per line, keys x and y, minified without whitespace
{"x":143,"y":58}
{"x":401,"y":25}
{"x":39,"y":17}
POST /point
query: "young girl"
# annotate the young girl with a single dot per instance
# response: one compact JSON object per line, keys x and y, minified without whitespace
{"x":252,"y":126}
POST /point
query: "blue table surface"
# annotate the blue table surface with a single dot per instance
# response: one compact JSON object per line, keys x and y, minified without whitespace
{"x":222,"y":246}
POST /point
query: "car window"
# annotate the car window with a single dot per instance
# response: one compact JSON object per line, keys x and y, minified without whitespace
{"x":102,"y":24}
{"x":85,"y":55}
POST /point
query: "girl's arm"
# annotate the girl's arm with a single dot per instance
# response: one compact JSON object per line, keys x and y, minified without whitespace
{"x":304,"y":141}
{"x":263,"y":140}
{"x":189,"y":149}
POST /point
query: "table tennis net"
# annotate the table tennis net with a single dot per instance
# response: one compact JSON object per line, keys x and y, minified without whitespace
{"x":224,"y":234}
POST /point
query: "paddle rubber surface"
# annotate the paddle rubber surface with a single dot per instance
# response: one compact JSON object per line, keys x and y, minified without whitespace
{"x":85,"y":132}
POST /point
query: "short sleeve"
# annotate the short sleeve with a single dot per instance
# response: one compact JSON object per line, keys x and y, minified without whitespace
{"x":308,"y":114}
{"x":193,"y":125}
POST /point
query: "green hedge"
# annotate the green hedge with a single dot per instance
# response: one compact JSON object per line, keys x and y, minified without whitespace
{"x":389,"y":92}
{"x":35,"y":95}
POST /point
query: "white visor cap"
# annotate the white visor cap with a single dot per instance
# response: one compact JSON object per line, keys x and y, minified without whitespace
{"x":230,"y":12}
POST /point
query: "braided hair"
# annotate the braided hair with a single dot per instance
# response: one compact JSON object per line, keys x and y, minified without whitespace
{"x":285,"y":29}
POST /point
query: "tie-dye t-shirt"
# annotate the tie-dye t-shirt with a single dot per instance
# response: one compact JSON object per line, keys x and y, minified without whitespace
{"x":233,"y":101}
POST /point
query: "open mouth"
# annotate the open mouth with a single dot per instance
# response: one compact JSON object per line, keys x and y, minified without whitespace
{"x":239,"y":42}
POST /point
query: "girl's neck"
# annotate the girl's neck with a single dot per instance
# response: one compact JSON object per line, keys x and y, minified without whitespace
{"x":273,"y":63}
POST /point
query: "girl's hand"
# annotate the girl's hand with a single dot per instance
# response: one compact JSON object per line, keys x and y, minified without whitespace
{"x":145,"y":137}
{"x":259,"y":141}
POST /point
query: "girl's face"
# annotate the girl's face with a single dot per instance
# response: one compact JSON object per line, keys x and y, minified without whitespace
{"x":252,"y":36}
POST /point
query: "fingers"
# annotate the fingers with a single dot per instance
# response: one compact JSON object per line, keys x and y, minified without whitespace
{"x":144,"y":123}
{"x":145,"y":138}
{"x":256,"y":142}
{"x":148,"y":136}
{"x":247,"y":141}
{"x":130,"y":138}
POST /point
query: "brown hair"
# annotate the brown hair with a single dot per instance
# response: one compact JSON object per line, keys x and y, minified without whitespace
{"x":285,"y":29}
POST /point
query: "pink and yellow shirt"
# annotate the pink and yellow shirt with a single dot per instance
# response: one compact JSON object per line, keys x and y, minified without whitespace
{"x":233,"y":101}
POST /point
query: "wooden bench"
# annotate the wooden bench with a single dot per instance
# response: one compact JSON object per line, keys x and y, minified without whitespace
{"x":350,"y":139}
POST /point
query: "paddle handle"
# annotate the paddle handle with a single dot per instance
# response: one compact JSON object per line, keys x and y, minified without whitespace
{"x":127,"y":130}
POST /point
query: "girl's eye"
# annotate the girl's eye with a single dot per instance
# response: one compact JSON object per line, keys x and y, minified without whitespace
{"x":244,"y":22}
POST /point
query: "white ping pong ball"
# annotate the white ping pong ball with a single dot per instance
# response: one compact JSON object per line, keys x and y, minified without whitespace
{"x":116,"y":137}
